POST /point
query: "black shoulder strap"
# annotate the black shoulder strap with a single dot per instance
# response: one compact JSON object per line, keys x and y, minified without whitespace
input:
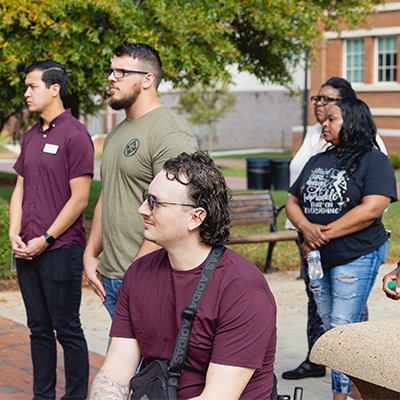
{"x":182,"y":340}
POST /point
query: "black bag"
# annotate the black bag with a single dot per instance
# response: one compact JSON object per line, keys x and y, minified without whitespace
{"x":160,"y":379}
{"x":155,"y":382}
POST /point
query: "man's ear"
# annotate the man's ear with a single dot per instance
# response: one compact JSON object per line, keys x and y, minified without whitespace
{"x":55,"y":89}
{"x":197,"y":218}
{"x":148,"y":80}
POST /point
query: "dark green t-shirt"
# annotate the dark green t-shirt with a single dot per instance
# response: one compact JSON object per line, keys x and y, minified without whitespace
{"x":134,"y":152}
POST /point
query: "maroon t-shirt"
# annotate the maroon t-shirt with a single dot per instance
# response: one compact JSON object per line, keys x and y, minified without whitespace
{"x":48,"y":161}
{"x":235,"y":323}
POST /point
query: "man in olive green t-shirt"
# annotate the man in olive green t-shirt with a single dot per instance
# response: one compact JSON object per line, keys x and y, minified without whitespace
{"x":134,"y":152}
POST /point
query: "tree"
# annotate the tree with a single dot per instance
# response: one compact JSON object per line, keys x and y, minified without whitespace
{"x":78,"y":33}
{"x":200,"y":38}
{"x":197,"y":39}
{"x":205,"y":105}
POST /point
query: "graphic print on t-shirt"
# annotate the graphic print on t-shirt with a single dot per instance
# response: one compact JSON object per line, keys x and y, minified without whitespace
{"x":325,"y":191}
{"x":131,"y":148}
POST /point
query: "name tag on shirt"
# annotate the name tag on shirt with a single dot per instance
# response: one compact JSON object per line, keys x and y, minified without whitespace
{"x":50,"y":148}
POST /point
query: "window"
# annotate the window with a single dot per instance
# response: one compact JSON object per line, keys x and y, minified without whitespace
{"x":387,"y":59}
{"x":355,"y":60}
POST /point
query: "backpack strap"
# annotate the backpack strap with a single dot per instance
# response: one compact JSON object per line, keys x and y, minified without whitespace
{"x":182,"y":340}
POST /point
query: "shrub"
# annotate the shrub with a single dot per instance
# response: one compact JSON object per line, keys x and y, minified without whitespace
{"x":395,"y":160}
{"x":5,"y":247}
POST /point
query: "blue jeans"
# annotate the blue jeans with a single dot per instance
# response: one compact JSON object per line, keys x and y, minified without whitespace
{"x":51,"y":287}
{"x":341,"y":296}
{"x":111,"y":287}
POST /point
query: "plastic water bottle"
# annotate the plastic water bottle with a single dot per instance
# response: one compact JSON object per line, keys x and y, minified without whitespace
{"x":314,"y":265}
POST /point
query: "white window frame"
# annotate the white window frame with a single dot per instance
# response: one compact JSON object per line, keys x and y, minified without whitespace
{"x":345,"y":59}
{"x":376,"y":62}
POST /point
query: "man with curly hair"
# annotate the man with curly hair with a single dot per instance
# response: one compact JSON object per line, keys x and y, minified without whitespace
{"x":232,"y":346}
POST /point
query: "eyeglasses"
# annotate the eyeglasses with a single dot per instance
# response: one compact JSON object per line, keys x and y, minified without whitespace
{"x":324,"y":100}
{"x":150,"y":198}
{"x":120,"y":73}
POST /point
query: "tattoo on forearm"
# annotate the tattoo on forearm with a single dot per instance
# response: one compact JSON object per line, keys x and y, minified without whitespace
{"x":106,"y":388}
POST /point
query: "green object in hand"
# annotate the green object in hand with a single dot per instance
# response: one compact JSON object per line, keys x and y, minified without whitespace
{"x":392,"y":285}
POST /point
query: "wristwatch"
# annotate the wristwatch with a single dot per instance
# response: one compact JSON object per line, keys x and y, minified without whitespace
{"x":49,"y":239}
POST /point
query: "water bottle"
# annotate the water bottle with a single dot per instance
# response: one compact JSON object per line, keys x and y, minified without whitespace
{"x":314,"y":265}
{"x":298,"y":392}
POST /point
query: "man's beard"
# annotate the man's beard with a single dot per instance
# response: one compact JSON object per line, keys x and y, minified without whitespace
{"x":126,"y":102}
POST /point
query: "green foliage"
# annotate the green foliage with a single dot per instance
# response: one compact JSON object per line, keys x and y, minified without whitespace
{"x":395,"y":160}
{"x":5,"y":246}
{"x":206,"y":103}
{"x":390,"y":219}
{"x":197,"y":39}
{"x":95,"y":189}
{"x":78,"y":33}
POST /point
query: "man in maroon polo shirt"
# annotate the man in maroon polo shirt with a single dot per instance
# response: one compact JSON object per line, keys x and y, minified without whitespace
{"x":54,"y":169}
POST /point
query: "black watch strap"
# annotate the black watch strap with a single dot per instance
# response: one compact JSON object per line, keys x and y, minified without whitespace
{"x":49,"y":239}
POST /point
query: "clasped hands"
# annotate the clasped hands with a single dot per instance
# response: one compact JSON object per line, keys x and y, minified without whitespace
{"x":314,"y":237}
{"x":28,"y":251}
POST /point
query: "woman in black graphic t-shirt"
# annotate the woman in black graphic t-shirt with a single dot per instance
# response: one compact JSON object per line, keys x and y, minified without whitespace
{"x":337,"y":204}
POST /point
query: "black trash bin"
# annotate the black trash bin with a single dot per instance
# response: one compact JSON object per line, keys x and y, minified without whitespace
{"x":280,"y":173}
{"x":258,"y":173}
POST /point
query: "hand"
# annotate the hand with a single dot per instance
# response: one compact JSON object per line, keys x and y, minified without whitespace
{"x":18,"y":247}
{"x":90,"y":264}
{"x":36,"y":246}
{"x":391,"y":276}
{"x":305,"y":249}
{"x":313,"y":234}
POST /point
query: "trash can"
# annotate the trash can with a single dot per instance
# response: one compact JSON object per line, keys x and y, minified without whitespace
{"x":280,"y":173}
{"x":258,"y":173}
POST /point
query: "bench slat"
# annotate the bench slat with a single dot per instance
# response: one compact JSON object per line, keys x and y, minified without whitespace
{"x":253,"y":214}
{"x":264,"y":237}
{"x":251,"y":195}
{"x":253,"y":221}
{"x":237,"y":209}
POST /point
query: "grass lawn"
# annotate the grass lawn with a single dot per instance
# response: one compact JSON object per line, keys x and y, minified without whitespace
{"x":286,"y":154}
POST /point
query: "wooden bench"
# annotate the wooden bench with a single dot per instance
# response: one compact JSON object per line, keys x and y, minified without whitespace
{"x":255,"y":208}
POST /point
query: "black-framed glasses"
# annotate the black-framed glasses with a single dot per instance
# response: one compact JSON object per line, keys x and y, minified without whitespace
{"x":120,"y":73}
{"x":150,"y":198}
{"x":325,"y":100}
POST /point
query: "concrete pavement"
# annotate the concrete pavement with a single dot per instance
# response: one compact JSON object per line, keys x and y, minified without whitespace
{"x":292,"y":342}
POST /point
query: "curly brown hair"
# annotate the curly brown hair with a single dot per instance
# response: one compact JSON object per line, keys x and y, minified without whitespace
{"x":206,"y":188}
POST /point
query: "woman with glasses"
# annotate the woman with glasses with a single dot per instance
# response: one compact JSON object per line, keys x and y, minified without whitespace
{"x":337,"y":204}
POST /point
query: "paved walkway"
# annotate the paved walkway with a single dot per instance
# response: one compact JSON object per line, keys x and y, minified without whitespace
{"x":16,"y":369}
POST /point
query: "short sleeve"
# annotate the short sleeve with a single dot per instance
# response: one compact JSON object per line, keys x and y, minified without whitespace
{"x":172,"y":145}
{"x":121,"y":324}
{"x":245,"y":330}
{"x":80,"y":155}
{"x":19,"y":164}
{"x":379,"y":178}
{"x":295,"y":188}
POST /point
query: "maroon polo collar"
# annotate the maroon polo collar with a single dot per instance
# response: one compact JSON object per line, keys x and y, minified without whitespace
{"x":57,"y":120}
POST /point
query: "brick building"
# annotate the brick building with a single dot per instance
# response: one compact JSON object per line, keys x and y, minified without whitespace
{"x":366,"y":57}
